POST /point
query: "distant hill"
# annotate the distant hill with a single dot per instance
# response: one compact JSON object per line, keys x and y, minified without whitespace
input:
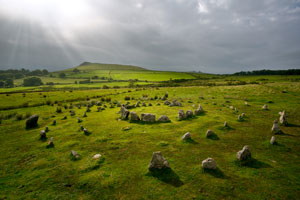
{"x":87,"y":66}
{"x":117,"y":72}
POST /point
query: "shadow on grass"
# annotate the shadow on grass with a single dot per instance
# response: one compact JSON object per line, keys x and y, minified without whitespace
{"x":31,"y":128}
{"x":253,"y":163}
{"x":43,"y":139}
{"x":227,"y":128}
{"x":216,"y":173}
{"x":166,"y":175}
{"x":190,"y":141}
{"x":49,"y":146}
{"x":87,"y":133}
{"x":95,"y":166}
{"x":284,"y":134}
{"x":292,"y":125}
{"x":213,"y":137}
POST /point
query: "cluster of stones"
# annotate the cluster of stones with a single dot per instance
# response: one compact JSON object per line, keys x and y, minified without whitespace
{"x":174,"y":103}
{"x":145,"y":117}
{"x":158,"y":162}
{"x":189,"y":113}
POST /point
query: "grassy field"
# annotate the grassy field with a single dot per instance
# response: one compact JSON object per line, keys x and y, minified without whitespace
{"x":29,"y":170}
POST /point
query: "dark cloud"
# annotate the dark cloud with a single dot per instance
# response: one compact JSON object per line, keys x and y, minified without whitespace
{"x":217,"y":36}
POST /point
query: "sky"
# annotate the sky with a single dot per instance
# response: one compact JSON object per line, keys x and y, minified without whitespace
{"x":213,"y":36}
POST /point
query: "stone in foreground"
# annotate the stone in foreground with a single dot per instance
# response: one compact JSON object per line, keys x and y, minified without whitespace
{"x":134,"y":116}
{"x":50,"y":143}
{"x":31,"y":122}
{"x":158,"y":161}
{"x":209,"y":163}
{"x":199,"y":110}
{"x":209,"y":133}
{"x":265,"y":107}
{"x":273,"y":140}
{"x":186,"y":136}
{"x":96,"y":156}
{"x":147,"y":117}
{"x":244,"y":154}
{"x":275,"y":128}
{"x":181,"y":115}
{"x":225,"y":124}
{"x":124,"y":112}
{"x":282,"y":118}
{"x":189,"y":113}
{"x":74,"y":154}
{"x":163,"y":118}
{"x":43,"y":134}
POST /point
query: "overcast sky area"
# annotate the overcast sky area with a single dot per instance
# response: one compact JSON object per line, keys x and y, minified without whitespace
{"x":214,"y":36}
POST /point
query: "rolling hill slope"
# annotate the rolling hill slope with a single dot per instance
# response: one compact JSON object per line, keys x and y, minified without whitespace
{"x":121,"y":72}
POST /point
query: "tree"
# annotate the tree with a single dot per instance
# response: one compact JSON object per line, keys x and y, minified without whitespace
{"x":2,"y":84}
{"x":45,"y":72}
{"x":62,"y":75}
{"x":76,"y":70}
{"x":9,"y":83}
{"x":32,"y":81}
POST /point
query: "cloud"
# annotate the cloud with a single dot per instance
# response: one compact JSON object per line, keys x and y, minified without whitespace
{"x":217,"y":36}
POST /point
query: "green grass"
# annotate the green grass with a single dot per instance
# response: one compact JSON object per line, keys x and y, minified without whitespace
{"x":31,"y":171}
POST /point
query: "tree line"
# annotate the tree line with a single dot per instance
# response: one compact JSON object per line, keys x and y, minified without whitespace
{"x":269,"y":72}
{"x":7,"y":76}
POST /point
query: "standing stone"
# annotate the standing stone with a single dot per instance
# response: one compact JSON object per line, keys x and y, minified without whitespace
{"x":275,"y":127}
{"x":98,"y":109}
{"x":265,"y":107}
{"x":239,"y":118}
{"x":134,"y":116}
{"x":199,"y":110}
{"x":81,"y":127}
{"x":65,"y":117}
{"x":46,"y":129}
{"x":79,"y":120}
{"x":163,"y":118}
{"x":43,"y":134}
{"x":84,"y":115}
{"x":88,"y":109}
{"x":244,"y":154}
{"x":85,"y":131}
{"x":282,"y":118}
{"x":144,"y":104}
{"x":54,"y":122}
{"x":209,"y":133}
{"x":147,"y":117}
{"x":158,"y":161}
{"x":273,"y":140}
{"x":31,"y":122}
{"x":186,"y":136}
{"x":72,"y":112}
{"x":50,"y":143}
{"x":124,"y":113}
{"x":181,"y":115}
{"x":74,"y":154}
{"x":189,"y":113}
{"x":225,"y":124}
{"x":167,"y":103}
{"x":137,"y":104}
{"x":209,"y":163}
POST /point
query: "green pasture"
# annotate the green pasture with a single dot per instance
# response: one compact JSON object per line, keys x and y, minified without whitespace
{"x":29,"y":170}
